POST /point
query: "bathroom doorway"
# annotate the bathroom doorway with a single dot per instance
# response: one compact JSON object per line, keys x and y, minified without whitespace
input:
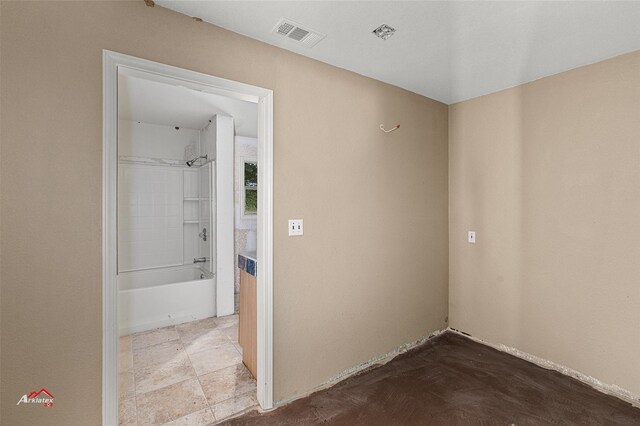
{"x":175,"y":222}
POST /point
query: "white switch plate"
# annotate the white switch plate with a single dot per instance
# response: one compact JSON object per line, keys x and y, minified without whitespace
{"x":296,"y":227}
{"x":472,"y":237}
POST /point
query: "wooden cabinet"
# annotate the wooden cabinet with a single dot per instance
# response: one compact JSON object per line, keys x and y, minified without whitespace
{"x":247,"y":337}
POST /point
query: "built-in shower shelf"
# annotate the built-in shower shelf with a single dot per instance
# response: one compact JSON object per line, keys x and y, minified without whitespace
{"x":191,"y":221}
{"x":192,"y":199}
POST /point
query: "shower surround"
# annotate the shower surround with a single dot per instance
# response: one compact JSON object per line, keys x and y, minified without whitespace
{"x":175,"y":223}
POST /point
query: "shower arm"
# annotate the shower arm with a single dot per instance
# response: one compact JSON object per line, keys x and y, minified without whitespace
{"x":192,"y":162}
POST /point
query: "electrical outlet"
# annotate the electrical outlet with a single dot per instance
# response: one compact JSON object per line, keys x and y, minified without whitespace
{"x":296,"y":227}
{"x":472,"y":237}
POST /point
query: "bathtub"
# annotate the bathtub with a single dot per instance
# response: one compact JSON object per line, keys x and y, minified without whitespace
{"x":161,"y":297}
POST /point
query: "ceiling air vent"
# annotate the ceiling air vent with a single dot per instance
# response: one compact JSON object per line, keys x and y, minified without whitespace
{"x":384,"y":31}
{"x":298,"y":33}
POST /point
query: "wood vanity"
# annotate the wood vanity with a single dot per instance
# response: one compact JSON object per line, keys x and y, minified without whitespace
{"x":247,"y":324}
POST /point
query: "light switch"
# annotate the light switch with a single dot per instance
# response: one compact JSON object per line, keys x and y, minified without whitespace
{"x":472,"y":237}
{"x":296,"y":227}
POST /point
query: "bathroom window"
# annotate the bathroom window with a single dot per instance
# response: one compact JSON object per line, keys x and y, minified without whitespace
{"x":250,"y":193}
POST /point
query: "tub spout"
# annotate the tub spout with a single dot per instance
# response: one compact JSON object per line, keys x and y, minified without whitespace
{"x":200,"y":259}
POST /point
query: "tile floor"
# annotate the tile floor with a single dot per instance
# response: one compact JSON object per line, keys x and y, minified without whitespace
{"x":188,"y":374}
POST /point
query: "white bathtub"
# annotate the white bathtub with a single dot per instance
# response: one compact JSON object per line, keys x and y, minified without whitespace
{"x":161,"y":297}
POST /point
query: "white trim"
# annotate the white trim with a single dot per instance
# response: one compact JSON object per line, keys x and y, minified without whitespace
{"x":109,"y":249}
{"x":113,"y":61}
{"x":265,"y":252}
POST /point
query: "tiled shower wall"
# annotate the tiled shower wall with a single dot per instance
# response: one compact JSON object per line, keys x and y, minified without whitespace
{"x":151,"y":209}
{"x":149,"y":217}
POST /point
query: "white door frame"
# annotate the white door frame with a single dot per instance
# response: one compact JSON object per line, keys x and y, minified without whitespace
{"x":111,"y":61}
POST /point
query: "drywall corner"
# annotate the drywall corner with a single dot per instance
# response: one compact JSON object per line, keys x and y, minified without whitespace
{"x":609,"y":389}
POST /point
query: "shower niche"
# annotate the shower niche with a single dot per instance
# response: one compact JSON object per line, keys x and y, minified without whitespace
{"x":191,"y":222}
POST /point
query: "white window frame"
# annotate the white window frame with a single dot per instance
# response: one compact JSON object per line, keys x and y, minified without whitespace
{"x":243,"y":214}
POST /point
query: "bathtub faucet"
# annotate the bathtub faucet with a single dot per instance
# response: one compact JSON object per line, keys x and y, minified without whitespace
{"x":200,"y":259}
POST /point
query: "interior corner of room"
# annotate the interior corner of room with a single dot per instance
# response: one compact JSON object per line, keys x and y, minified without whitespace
{"x":320,"y":212}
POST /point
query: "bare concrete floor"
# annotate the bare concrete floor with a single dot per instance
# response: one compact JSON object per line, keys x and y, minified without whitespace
{"x":452,"y":380}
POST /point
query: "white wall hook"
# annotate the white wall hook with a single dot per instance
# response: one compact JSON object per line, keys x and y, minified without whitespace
{"x":390,"y":130}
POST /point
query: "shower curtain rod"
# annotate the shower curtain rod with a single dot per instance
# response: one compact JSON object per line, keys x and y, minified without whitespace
{"x":152,"y":161}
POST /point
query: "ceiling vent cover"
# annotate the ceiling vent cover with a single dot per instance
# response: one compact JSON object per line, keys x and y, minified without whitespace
{"x":299,"y":33}
{"x":384,"y":31}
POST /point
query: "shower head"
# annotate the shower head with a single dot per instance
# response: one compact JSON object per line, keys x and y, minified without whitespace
{"x":192,"y":162}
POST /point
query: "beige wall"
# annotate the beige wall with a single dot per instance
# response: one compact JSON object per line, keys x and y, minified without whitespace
{"x":369,"y":274}
{"x":548,"y":175}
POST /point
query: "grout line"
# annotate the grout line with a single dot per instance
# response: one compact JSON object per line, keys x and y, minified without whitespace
{"x":181,"y":381}
{"x":237,"y":395}
{"x":135,"y":388}
{"x":132,"y":370}
{"x":185,"y":380}
{"x":180,"y":340}
{"x":206,"y":400}
{"x":244,"y":410}
{"x":229,"y":340}
{"x":135,"y":404}
{"x":154,"y":344}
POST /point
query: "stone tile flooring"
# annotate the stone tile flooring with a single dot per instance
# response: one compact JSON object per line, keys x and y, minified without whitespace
{"x":189,"y":374}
